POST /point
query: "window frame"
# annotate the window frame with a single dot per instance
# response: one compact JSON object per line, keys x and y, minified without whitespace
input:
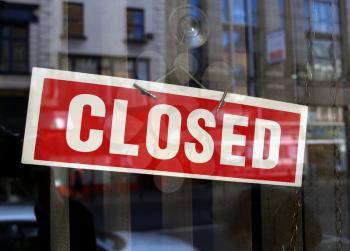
{"x":143,"y":26}
{"x":11,"y":70}
{"x":65,"y":28}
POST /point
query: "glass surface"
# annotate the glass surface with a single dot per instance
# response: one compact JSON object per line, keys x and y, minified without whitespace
{"x":55,"y":208}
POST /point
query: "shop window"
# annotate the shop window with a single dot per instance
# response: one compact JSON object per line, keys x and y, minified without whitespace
{"x":14,"y":49}
{"x":135,"y":24}
{"x":85,"y":64}
{"x":138,"y":68}
{"x":73,"y":20}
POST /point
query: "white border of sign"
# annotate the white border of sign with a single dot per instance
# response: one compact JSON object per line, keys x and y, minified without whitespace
{"x":37,"y":81}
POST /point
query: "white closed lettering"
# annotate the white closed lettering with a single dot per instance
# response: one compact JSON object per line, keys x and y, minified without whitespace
{"x":261,"y":125}
{"x":117,"y":145}
{"x":201,"y":135}
{"x":75,"y":114}
{"x":229,"y":139}
{"x":153,"y":131}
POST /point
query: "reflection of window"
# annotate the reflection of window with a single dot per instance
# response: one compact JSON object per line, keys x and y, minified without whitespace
{"x":281,"y":6}
{"x":324,"y":16}
{"x":73,"y":19}
{"x":324,"y":21}
{"x":138,"y":68}
{"x":14,"y":48}
{"x":235,"y":18}
{"x":240,"y":55}
{"x":196,"y":66}
{"x":239,"y":11}
{"x":85,"y":64}
{"x":135,"y":24}
{"x":224,"y":11}
{"x":239,"y":40}
{"x":324,"y":67}
{"x":236,"y":11}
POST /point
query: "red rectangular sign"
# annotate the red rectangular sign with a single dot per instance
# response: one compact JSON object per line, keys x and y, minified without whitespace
{"x":104,"y":123}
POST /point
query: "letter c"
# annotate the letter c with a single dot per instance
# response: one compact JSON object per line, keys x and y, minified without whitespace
{"x":74,"y":121}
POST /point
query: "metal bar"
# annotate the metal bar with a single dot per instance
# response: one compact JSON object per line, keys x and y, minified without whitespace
{"x":144,"y":91}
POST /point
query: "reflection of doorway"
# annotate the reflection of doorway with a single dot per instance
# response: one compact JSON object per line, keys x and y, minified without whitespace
{"x":319,"y":184}
{"x":321,"y":162}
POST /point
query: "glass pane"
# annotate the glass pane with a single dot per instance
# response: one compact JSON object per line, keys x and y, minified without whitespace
{"x":225,"y":45}
{"x":324,"y":16}
{"x":281,"y":7}
{"x":325,"y":67}
{"x":88,"y":65}
{"x":142,"y":70}
{"x":75,"y":11}
{"x":239,"y":40}
{"x":74,"y":19}
{"x":132,"y":69}
{"x":137,"y":32}
{"x":135,"y":17}
{"x":74,"y":28}
{"x":5,"y":31}
{"x":224,"y":11}
{"x":19,"y":56}
{"x":19,"y":52}
{"x":19,"y":32}
{"x":239,"y":11}
{"x":322,"y":49}
{"x":4,"y":56}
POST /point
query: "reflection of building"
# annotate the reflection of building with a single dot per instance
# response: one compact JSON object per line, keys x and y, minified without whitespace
{"x":22,"y":43}
{"x":118,"y":38}
{"x":124,"y":49}
{"x":39,"y":33}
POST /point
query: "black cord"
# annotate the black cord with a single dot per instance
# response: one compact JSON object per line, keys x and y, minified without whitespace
{"x":6,"y":131}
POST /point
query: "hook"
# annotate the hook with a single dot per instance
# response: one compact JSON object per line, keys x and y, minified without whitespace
{"x":144,"y":91}
{"x":222,"y":101}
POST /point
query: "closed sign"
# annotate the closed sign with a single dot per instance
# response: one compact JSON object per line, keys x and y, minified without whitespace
{"x":104,"y":123}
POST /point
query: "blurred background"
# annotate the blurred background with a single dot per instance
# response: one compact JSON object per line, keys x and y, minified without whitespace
{"x":289,"y":50}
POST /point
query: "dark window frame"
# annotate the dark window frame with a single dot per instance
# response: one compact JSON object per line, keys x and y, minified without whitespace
{"x":143,"y":25}
{"x":11,"y":70}
{"x":67,"y":20}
